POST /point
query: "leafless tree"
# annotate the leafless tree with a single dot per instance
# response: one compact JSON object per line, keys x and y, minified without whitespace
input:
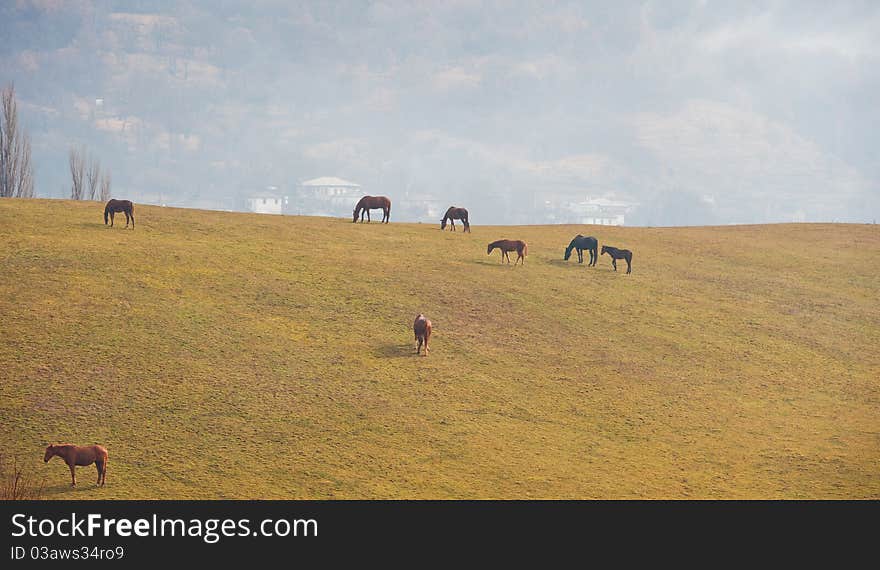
{"x":105,"y":187}
{"x":77,"y":160}
{"x":16,"y":169}
{"x":93,"y":177}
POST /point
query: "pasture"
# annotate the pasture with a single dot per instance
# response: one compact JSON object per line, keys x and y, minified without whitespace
{"x":224,"y":355}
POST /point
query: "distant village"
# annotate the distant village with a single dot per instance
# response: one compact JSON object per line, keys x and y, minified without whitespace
{"x":332,"y":196}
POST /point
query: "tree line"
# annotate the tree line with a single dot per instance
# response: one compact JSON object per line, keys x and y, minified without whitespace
{"x":16,"y":167}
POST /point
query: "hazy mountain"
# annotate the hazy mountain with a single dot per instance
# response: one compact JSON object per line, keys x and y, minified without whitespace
{"x":698,"y":112}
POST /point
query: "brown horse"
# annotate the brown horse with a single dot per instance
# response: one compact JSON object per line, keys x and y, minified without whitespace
{"x":368,"y":203}
{"x":422,"y":330}
{"x":507,"y":245}
{"x":75,"y":455}
{"x":114,"y":206}
{"x":453,"y":214}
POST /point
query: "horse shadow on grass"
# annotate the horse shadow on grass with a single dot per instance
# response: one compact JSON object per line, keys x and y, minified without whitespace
{"x":395,"y":350}
{"x":78,"y":492}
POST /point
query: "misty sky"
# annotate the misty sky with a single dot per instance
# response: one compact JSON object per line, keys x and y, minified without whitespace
{"x":700,"y":112}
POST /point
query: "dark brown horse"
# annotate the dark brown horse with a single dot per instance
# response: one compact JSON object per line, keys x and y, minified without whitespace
{"x":508,"y":245}
{"x":75,"y":455}
{"x":422,"y":330}
{"x":368,"y":203}
{"x":453,"y":214}
{"x":114,"y":206}
{"x":618,"y":254}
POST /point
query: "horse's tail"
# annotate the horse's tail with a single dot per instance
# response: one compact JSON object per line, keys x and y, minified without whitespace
{"x":526,"y":249}
{"x":106,"y":214}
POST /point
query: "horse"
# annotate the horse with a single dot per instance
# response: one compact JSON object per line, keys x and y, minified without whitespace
{"x":75,"y":455}
{"x":368,"y":203}
{"x":453,"y":214}
{"x":422,"y":330}
{"x":618,"y":254}
{"x":114,"y":206}
{"x":507,"y":245}
{"x":580,"y":243}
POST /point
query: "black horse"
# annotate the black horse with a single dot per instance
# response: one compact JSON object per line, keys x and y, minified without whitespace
{"x":580,"y":243}
{"x":618,"y":254}
{"x":114,"y":206}
{"x":453,"y":214}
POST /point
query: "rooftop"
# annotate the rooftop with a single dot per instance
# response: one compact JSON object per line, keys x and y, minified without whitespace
{"x":329,"y":181}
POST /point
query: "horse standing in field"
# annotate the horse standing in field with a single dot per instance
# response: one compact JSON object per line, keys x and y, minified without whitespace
{"x":368,"y":203}
{"x":75,"y":455}
{"x":114,"y":206}
{"x":422,"y":330}
{"x":618,"y":254}
{"x":453,"y":214}
{"x":580,"y":243}
{"x":508,"y":245}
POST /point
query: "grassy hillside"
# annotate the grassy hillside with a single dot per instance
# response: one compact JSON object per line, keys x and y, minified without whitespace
{"x":222,"y":355}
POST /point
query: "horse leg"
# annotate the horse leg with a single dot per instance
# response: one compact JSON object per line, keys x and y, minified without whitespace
{"x":614,"y":263}
{"x":99,"y":465}
{"x":127,"y":217}
{"x":580,"y":255}
{"x":112,"y":215}
{"x":72,"y":474}
{"x":628,"y":266}
{"x":419,"y":347}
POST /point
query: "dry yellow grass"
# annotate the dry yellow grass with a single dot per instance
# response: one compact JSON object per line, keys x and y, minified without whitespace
{"x":222,"y":355}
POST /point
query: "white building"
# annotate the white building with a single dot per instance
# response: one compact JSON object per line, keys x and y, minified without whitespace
{"x":599,"y":211}
{"x":265,"y":203}
{"x":325,"y":196}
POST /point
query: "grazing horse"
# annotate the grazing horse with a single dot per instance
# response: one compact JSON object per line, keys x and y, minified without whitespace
{"x":422,"y":330}
{"x":580,"y":243}
{"x":368,"y":203}
{"x":618,"y":254}
{"x":453,"y":214}
{"x":507,"y":245}
{"x":75,"y":455}
{"x":114,"y":206}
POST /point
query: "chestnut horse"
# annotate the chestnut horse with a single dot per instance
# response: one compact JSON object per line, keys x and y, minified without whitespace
{"x":114,"y":206}
{"x":368,"y":203}
{"x":422,"y":330}
{"x":453,"y":214}
{"x":507,"y":245}
{"x":75,"y":455}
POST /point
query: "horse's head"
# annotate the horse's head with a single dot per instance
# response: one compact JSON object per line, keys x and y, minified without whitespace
{"x":443,"y":224}
{"x":604,"y":249}
{"x":567,"y":253}
{"x":50,"y":453}
{"x":489,"y":249}
{"x":354,"y":215}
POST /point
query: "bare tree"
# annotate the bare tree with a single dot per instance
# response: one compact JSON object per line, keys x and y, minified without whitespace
{"x":105,"y":187}
{"x":16,"y":170}
{"x":93,"y":177}
{"x":77,"y":160}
